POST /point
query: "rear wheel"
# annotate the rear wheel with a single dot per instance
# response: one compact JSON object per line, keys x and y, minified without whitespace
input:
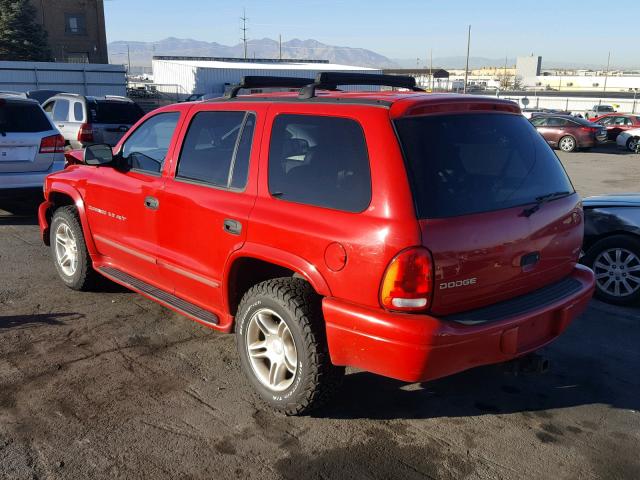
{"x":69,"y":250}
{"x":632,"y":144}
{"x":615,"y":262}
{"x":281,"y":341}
{"x":567,"y":144}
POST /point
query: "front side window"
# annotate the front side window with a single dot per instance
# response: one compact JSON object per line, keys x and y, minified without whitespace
{"x":472,"y":163}
{"x":321,"y":161}
{"x":61,"y":110}
{"x":147,"y":147}
{"x":217,"y":148}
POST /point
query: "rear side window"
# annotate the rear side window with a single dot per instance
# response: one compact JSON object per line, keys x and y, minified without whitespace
{"x":320,"y":161}
{"x":217,"y":148}
{"x":22,"y":118}
{"x":472,"y":163}
{"x":104,"y":111}
{"x":78,"y":113}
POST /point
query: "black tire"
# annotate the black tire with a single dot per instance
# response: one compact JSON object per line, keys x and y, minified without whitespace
{"x":632,"y":144}
{"x":594,"y":260}
{"x":299,"y":307}
{"x":567,"y":139}
{"x":84,"y":277}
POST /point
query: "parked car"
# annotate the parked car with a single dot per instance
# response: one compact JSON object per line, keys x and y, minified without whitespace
{"x":616,"y":123}
{"x":88,"y":120}
{"x":569,"y":133}
{"x":612,"y":246}
{"x":629,"y":139}
{"x":406,"y":234}
{"x":598,"y":111}
{"x":30,"y":146}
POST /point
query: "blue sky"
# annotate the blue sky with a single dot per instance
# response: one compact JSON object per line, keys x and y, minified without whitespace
{"x":577,"y":31}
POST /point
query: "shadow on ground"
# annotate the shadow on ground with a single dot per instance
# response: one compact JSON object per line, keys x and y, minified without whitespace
{"x":24,"y":321}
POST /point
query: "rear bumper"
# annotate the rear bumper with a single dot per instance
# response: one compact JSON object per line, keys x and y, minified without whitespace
{"x":27,"y":180}
{"x":421,"y":347}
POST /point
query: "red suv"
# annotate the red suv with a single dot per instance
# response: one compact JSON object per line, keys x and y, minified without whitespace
{"x":412,"y":235}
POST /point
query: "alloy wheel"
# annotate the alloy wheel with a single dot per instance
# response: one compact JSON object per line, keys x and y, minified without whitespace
{"x":567,"y":144}
{"x":271,"y":350}
{"x":617,"y":272}
{"x":66,"y":250}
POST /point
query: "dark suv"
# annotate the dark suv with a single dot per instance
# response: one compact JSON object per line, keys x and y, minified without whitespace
{"x":407,"y":234}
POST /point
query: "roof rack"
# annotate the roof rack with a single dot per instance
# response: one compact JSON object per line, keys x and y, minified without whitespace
{"x":263,"y":81}
{"x":325,"y":79}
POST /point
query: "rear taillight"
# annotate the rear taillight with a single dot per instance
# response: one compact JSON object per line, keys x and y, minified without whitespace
{"x":52,"y":144}
{"x":407,"y":282}
{"x":85,"y":134}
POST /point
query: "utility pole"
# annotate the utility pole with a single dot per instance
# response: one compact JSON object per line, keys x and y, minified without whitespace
{"x":244,"y":31}
{"x":431,"y":70}
{"x":466,"y":68}
{"x":129,"y":59}
{"x":606,"y":73}
{"x":280,"y":43}
{"x":505,"y":73}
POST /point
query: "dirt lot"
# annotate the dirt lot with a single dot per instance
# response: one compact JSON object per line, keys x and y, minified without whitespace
{"x":111,"y":385}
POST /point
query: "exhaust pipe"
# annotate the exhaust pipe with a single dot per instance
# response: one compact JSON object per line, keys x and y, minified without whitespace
{"x":527,"y":365}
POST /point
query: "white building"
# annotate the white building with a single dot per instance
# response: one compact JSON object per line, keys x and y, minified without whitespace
{"x":188,"y":75}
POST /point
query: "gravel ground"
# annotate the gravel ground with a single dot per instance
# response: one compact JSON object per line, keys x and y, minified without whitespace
{"x":110,"y":385}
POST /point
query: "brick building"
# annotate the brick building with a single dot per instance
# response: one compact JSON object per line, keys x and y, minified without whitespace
{"x":76,"y":29}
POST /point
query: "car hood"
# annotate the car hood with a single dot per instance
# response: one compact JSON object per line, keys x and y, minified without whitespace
{"x":616,"y":200}
{"x":631,"y":131}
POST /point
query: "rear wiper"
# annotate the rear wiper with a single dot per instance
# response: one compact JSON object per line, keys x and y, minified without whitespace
{"x":541,"y":200}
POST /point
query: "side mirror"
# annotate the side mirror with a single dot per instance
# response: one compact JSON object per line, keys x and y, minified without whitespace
{"x":100,"y":154}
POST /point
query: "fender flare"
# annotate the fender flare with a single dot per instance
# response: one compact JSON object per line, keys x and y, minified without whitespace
{"x":278,"y":257}
{"x":66,"y":189}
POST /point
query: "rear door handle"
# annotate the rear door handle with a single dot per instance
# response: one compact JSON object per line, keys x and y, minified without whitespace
{"x":151,"y":203}
{"x":231,"y":226}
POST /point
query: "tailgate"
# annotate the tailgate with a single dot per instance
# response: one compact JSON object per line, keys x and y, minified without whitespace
{"x":109,"y":133}
{"x":19,"y":152}
{"x":489,"y":257}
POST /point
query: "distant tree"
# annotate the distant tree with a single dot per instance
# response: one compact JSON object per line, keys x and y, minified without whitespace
{"x":21,"y":37}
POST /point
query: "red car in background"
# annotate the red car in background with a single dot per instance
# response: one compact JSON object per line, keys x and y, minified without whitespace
{"x":569,"y":133}
{"x":616,"y":123}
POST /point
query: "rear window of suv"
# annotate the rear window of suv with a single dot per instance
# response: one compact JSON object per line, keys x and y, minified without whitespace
{"x":22,"y":117}
{"x":104,"y":111}
{"x":472,"y":163}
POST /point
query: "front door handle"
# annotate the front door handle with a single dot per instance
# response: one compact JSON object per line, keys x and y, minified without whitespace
{"x":151,"y":203}
{"x":231,"y":226}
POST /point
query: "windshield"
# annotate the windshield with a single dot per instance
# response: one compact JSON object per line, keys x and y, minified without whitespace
{"x":22,"y":117}
{"x":472,"y":163}
{"x":104,"y":111}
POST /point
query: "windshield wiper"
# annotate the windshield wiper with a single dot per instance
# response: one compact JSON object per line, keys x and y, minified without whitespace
{"x":541,"y":200}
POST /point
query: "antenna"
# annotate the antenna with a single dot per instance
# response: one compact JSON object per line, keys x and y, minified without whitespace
{"x":244,"y":31}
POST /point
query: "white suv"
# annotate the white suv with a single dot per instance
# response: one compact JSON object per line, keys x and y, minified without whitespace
{"x":87,"y":120}
{"x":30,"y":145}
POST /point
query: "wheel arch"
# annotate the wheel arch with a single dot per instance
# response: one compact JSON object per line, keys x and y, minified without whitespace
{"x":60,"y":195}
{"x":256,"y":263}
{"x":593,"y":240}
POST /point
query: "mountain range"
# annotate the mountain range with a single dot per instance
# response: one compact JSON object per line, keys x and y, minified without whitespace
{"x":141,"y":53}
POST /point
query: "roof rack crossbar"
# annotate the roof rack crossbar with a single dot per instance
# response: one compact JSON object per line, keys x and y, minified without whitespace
{"x":263,"y":81}
{"x":324,"y":79}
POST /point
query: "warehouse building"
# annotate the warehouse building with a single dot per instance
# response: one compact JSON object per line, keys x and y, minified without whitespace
{"x":189,"y":75}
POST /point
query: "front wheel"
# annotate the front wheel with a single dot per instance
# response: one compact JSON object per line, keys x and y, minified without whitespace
{"x":615,"y":261}
{"x":281,"y":341}
{"x":567,"y":144}
{"x":69,"y":250}
{"x":632,"y":144}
